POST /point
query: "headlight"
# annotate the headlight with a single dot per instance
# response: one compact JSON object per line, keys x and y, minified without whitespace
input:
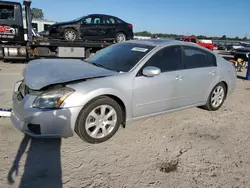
{"x":52,"y":99}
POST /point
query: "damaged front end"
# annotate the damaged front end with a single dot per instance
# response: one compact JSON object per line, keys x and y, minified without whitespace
{"x":49,"y":97}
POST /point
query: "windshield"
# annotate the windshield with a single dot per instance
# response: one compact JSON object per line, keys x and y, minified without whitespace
{"x":78,"y":19}
{"x":7,"y":12}
{"x":120,"y":57}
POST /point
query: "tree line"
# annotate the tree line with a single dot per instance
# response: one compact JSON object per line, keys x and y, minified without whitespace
{"x":164,"y":35}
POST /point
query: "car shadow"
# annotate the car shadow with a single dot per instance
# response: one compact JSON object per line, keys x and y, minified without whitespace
{"x":43,"y":163}
{"x":43,"y":158}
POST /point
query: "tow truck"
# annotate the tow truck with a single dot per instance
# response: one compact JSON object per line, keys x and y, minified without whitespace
{"x":19,"y":41}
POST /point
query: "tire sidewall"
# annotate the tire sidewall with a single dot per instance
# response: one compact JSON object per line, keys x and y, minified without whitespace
{"x":209,"y":102}
{"x":119,"y":33}
{"x":81,"y":131}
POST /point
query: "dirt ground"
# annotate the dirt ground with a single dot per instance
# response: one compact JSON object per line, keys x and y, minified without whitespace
{"x":190,"y":148}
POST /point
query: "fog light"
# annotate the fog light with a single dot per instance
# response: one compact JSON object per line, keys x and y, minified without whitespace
{"x":34,"y":128}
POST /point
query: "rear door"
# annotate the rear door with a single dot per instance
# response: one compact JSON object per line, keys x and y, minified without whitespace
{"x":197,"y":77}
{"x":108,"y":27}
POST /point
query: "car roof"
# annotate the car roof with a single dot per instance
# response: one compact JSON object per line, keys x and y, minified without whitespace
{"x":102,"y":15}
{"x":161,"y":42}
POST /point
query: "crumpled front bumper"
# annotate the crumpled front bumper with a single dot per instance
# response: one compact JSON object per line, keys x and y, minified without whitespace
{"x":42,"y":122}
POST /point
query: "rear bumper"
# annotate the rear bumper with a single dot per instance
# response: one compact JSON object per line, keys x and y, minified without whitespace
{"x":130,"y":35}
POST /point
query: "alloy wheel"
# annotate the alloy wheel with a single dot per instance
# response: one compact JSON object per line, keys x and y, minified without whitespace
{"x":121,"y":38}
{"x":70,"y":35}
{"x":217,"y":96}
{"x":101,"y":121}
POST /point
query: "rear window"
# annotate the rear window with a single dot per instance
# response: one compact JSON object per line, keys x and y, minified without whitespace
{"x":7,"y":12}
{"x":120,"y":57}
{"x":119,"y":21}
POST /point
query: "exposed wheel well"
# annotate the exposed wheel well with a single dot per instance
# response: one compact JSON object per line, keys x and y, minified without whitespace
{"x":119,"y":101}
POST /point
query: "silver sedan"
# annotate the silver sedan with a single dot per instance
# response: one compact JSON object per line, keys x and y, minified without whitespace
{"x":121,"y":83}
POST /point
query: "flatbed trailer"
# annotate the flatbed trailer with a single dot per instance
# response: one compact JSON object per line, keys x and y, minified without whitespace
{"x":16,"y":42}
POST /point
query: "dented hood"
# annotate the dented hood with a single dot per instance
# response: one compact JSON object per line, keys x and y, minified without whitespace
{"x":44,"y":72}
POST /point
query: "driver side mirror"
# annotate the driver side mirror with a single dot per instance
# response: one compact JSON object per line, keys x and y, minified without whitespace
{"x":151,"y":71}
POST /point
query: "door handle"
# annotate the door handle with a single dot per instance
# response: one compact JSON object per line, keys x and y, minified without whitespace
{"x":178,"y":77}
{"x":97,"y":26}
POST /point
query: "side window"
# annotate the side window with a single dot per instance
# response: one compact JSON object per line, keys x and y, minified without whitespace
{"x":197,"y":58}
{"x":186,"y":40}
{"x":87,"y":20}
{"x":108,"y":20}
{"x":167,"y":59}
{"x":7,"y":12}
{"x":96,"y":20}
{"x":93,"y":20}
{"x":119,"y":21}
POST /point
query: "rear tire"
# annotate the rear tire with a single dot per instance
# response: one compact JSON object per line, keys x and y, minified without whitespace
{"x":70,"y":35}
{"x":94,"y":124}
{"x":120,"y":37}
{"x":216,"y":97}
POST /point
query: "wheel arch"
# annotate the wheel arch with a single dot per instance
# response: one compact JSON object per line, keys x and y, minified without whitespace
{"x":70,"y":27}
{"x":120,"y":31}
{"x":226,"y":86}
{"x":121,"y":102}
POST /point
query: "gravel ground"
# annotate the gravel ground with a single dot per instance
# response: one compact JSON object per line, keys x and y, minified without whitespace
{"x":190,"y":148}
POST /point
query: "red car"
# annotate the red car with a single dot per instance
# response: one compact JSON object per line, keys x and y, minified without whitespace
{"x":209,"y":46}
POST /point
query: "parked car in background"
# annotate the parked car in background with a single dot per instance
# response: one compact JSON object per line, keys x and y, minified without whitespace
{"x":209,"y":45}
{"x":93,"y":27}
{"x":243,"y":53}
{"x":121,"y":83}
{"x":221,"y":47}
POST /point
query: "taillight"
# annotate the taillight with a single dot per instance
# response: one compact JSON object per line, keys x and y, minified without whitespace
{"x":130,"y":26}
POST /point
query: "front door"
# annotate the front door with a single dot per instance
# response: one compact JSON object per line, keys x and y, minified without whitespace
{"x":90,"y":28}
{"x":157,"y":94}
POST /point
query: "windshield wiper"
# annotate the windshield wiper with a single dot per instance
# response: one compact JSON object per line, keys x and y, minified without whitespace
{"x":98,"y":65}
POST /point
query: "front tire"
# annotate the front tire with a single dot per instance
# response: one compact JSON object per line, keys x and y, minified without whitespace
{"x":216,"y":97}
{"x":70,"y":35}
{"x":99,"y":120}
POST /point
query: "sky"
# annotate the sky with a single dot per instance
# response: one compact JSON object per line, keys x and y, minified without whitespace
{"x":186,"y":17}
